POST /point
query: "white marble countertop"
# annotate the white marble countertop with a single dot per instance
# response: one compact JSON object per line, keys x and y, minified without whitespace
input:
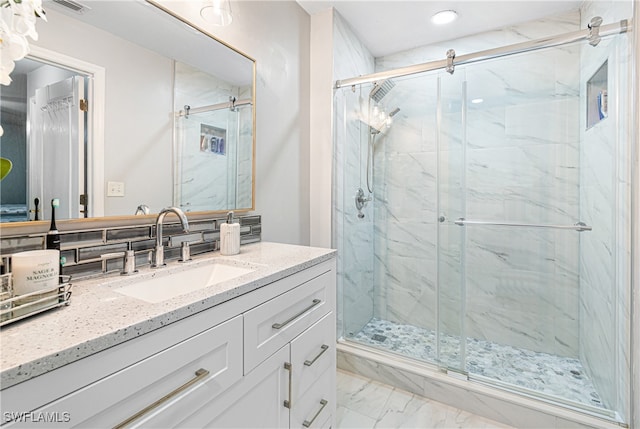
{"x":99,"y":318}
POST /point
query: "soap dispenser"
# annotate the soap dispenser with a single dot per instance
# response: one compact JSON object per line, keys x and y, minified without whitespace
{"x":229,"y":237}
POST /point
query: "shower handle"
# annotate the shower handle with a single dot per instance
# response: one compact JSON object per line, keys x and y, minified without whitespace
{"x":361,"y":202}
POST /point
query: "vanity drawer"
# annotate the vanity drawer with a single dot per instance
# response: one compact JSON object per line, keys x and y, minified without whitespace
{"x":273,"y":324}
{"x":312,"y":352}
{"x":194,"y":370}
{"x":316,"y":407}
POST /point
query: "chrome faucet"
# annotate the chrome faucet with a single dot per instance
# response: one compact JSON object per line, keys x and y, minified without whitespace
{"x":158,"y":253}
{"x":142,"y":209}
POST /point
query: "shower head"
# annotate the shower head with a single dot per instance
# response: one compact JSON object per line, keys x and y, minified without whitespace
{"x":380,"y":89}
{"x":385,"y":123}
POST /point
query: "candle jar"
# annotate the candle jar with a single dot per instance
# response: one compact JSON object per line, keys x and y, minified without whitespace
{"x":36,"y":276}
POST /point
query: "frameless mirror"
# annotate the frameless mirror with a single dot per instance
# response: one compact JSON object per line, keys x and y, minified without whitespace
{"x":122,"y":107}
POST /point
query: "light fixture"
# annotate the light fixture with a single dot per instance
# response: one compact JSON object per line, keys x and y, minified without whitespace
{"x":477,"y":100}
{"x":217,"y":12}
{"x":444,"y":17}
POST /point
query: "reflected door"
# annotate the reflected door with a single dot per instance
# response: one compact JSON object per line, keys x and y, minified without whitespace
{"x":56,"y":148}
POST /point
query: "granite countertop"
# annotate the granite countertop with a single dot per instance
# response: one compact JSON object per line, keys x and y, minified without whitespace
{"x":99,"y":318}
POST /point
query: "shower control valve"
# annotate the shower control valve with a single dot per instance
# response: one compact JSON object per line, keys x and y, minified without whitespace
{"x":361,"y":202}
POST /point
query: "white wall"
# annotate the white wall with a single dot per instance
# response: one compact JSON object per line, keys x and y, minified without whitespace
{"x":276,"y":35}
{"x":321,"y":139}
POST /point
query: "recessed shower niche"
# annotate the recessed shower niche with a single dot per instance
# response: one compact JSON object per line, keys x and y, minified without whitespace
{"x":597,"y":94}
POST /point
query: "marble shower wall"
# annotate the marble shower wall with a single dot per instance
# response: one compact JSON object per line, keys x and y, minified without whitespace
{"x":353,"y":236}
{"x":604,"y":203}
{"x":520,"y":164}
{"x":405,"y":205}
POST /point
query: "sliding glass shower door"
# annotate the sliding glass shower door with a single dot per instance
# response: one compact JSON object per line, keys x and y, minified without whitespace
{"x":451,"y":205}
{"x":511,"y":224}
{"x":479,"y":227}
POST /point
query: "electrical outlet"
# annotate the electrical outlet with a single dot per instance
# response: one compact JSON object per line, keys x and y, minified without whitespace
{"x":115,"y":189}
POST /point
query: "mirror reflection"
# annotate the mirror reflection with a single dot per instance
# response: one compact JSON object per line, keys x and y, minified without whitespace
{"x":123,"y":108}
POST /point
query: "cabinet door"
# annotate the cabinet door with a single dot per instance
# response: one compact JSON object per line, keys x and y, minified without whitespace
{"x":312,"y":352}
{"x":258,"y":401}
{"x":316,"y":407}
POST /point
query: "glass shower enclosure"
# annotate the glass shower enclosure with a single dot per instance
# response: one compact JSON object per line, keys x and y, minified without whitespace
{"x":480,"y":221}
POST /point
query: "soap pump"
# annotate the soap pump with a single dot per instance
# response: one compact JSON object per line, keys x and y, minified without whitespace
{"x":230,"y":237}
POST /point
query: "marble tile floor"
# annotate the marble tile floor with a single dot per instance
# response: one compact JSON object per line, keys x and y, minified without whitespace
{"x":364,"y":403}
{"x":541,"y":372}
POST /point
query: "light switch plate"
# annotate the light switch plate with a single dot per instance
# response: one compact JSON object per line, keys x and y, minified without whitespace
{"x":115,"y":189}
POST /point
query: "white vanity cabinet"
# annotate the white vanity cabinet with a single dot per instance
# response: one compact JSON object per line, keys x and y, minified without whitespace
{"x":263,"y":359}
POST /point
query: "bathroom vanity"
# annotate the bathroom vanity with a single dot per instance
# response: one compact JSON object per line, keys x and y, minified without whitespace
{"x":257,"y":350}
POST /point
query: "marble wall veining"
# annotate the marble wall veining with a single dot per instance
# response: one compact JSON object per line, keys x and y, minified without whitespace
{"x":605,"y":202}
{"x":512,"y":158}
{"x":353,"y":235}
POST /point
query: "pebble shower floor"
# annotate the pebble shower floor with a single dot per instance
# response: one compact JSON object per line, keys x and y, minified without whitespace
{"x":553,"y":375}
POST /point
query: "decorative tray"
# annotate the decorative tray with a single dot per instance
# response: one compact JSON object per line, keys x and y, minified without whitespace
{"x":14,"y":308}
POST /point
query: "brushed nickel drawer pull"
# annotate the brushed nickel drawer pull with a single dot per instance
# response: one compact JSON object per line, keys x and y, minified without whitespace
{"x":324,"y":348}
{"x":200,"y":374}
{"x":283,"y":324}
{"x":307,"y":423}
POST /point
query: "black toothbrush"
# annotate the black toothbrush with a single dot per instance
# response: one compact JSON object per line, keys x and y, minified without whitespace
{"x":36,"y":203}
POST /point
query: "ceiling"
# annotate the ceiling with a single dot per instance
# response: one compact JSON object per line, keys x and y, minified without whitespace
{"x":390,"y":26}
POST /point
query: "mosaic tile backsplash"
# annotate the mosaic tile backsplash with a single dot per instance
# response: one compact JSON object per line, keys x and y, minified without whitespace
{"x":83,"y":250}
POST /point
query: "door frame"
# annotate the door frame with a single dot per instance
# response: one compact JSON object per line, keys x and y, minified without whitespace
{"x":94,"y":152}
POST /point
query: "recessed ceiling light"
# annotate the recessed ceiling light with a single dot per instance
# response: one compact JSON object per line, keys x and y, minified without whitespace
{"x":444,"y":17}
{"x":477,"y":100}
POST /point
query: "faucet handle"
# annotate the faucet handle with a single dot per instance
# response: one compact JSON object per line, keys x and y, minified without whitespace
{"x":185,"y":252}
{"x":128,"y":261}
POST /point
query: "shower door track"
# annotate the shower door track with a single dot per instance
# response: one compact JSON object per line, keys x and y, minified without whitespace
{"x":517,"y":48}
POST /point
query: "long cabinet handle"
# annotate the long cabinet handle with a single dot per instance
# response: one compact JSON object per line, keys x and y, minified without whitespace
{"x":308,"y":423}
{"x":324,"y":348}
{"x":294,"y":317}
{"x":287,"y":402}
{"x":200,"y":374}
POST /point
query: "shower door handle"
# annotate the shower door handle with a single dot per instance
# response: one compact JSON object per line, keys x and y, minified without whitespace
{"x":578,"y":226}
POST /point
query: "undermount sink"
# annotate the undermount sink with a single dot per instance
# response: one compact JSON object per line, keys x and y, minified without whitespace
{"x":161,"y":286}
